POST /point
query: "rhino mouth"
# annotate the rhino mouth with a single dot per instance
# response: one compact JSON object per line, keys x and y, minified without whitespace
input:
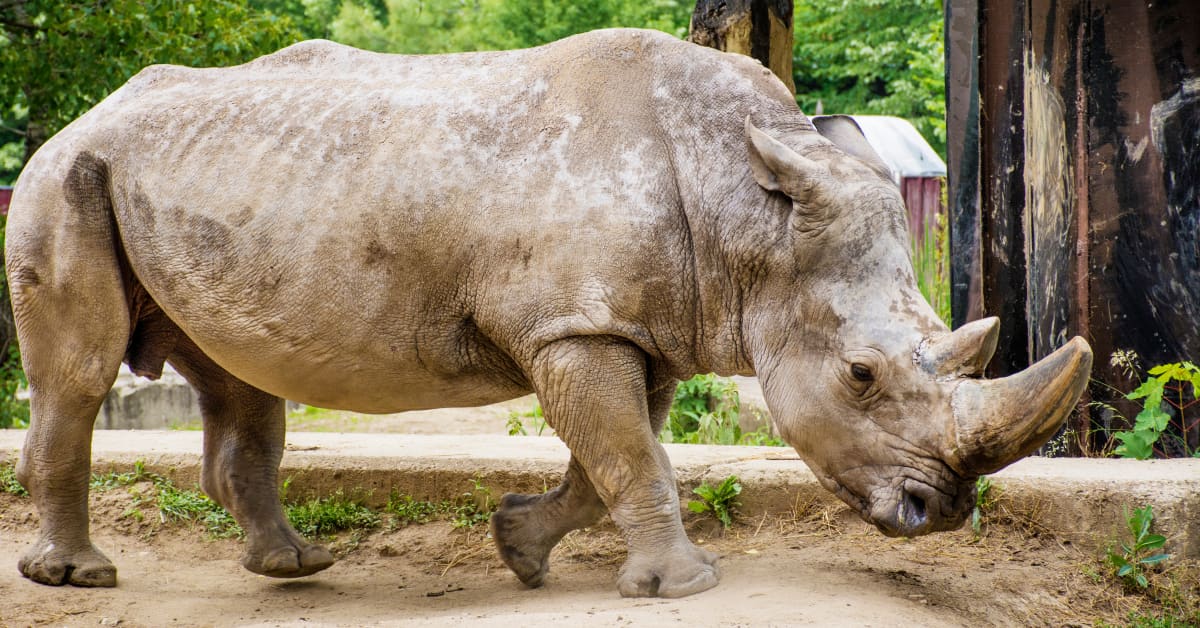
{"x":916,"y":508}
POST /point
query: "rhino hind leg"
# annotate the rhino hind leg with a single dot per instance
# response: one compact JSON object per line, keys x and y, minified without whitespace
{"x":243,"y":445}
{"x":73,"y":325}
{"x":527,"y":527}
{"x":593,"y":391}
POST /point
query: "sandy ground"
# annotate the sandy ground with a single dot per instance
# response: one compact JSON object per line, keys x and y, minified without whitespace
{"x":482,"y":420}
{"x":822,"y":569}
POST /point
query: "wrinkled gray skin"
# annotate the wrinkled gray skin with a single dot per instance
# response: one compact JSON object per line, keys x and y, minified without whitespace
{"x":591,"y":220}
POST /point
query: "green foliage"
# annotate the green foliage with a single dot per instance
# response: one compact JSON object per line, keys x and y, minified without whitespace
{"x":1131,"y":561}
{"x":436,"y":26}
{"x":9,"y":483}
{"x":705,"y":412}
{"x":873,"y":57}
{"x":1165,"y":386}
{"x":986,"y":496}
{"x":931,"y":264}
{"x":323,"y":516}
{"x":14,"y":412}
{"x":58,"y":58}
{"x":721,"y":500}
{"x":406,"y":510}
{"x":516,"y":421}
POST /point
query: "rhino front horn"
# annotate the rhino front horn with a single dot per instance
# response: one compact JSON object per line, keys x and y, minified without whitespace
{"x":997,"y":422}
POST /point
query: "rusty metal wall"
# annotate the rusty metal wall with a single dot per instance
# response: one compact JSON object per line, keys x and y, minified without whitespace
{"x":923,"y":199}
{"x":1074,"y":145}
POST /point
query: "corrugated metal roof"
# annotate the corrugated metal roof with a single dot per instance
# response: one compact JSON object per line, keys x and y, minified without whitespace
{"x":900,"y":145}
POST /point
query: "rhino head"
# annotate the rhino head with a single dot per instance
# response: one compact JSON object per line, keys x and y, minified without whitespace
{"x":883,"y":402}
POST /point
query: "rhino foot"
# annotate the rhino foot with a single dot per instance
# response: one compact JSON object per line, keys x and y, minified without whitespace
{"x":290,"y":561}
{"x":523,"y":541}
{"x":53,"y":564}
{"x":673,"y":572}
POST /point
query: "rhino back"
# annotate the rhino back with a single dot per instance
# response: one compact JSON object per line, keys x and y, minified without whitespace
{"x":346,"y":227}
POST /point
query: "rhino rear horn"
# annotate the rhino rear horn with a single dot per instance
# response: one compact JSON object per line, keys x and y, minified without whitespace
{"x":997,"y":422}
{"x":965,"y":352}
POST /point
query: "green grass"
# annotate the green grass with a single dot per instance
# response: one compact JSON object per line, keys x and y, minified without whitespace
{"x":931,"y":264}
{"x":325,"y":516}
{"x":312,"y":517}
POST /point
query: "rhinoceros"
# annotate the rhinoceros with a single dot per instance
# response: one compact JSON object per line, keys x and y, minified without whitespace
{"x":591,"y":220}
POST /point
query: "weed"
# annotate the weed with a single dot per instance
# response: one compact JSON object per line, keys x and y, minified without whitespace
{"x":986,"y":496}
{"x":407,"y":510}
{"x":324,"y":516}
{"x":9,"y":483}
{"x":516,"y":421}
{"x":1165,"y":386}
{"x":474,"y":507}
{"x":1131,"y":562}
{"x":721,"y":501}
{"x":111,"y":480}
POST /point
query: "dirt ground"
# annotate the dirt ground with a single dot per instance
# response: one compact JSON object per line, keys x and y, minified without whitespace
{"x":820,"y":568}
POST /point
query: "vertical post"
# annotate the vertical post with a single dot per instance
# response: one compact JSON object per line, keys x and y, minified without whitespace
{"x":756,"y":28}
{"x":961,"y":29}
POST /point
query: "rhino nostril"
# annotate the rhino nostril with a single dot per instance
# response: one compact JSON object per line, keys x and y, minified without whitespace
{"x":914,"y":507}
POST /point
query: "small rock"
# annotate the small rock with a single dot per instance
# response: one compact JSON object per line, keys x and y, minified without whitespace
{"x":110,"y":621}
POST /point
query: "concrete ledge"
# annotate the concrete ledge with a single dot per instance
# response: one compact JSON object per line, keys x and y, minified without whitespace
{"x":1080,"y":500}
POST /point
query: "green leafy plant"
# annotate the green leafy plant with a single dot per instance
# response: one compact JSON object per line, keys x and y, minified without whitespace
{"x":1165,"y":386}
{"x":720,"y":500}
{"x":1131,"y":561}
{"x":9,"y":483}
{"x":986,"y":495}
{"x":473,"y":507}
{"x":705,"y":412}
{"x":517,"y":421}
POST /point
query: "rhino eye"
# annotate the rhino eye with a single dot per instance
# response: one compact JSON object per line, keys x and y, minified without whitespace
{"x":861,"y":372}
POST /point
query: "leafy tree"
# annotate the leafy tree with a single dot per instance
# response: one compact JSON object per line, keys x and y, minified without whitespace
{"x":433,"y":26}
{"x":874,"y":56}
{"x":57,"y":58}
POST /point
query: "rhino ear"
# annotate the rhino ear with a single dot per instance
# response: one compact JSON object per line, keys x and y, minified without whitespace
{"x":781,"y":169}
{"x":845,"y":133}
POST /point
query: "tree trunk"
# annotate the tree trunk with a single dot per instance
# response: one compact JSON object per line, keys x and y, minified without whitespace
{"x":757,"y":28}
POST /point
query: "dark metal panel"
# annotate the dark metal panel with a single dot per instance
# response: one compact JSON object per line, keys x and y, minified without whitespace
{"x":1002,"y":178}
{"x":1088,"y":138}
{"x":962,"y":151}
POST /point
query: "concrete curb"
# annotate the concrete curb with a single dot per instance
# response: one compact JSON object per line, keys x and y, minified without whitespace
{"x":1080,"y":500}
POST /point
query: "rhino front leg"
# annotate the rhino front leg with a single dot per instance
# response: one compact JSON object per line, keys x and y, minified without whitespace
{"x":243,"y":445}
{"x":593,"y":390}
{"x":527,"y":527}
